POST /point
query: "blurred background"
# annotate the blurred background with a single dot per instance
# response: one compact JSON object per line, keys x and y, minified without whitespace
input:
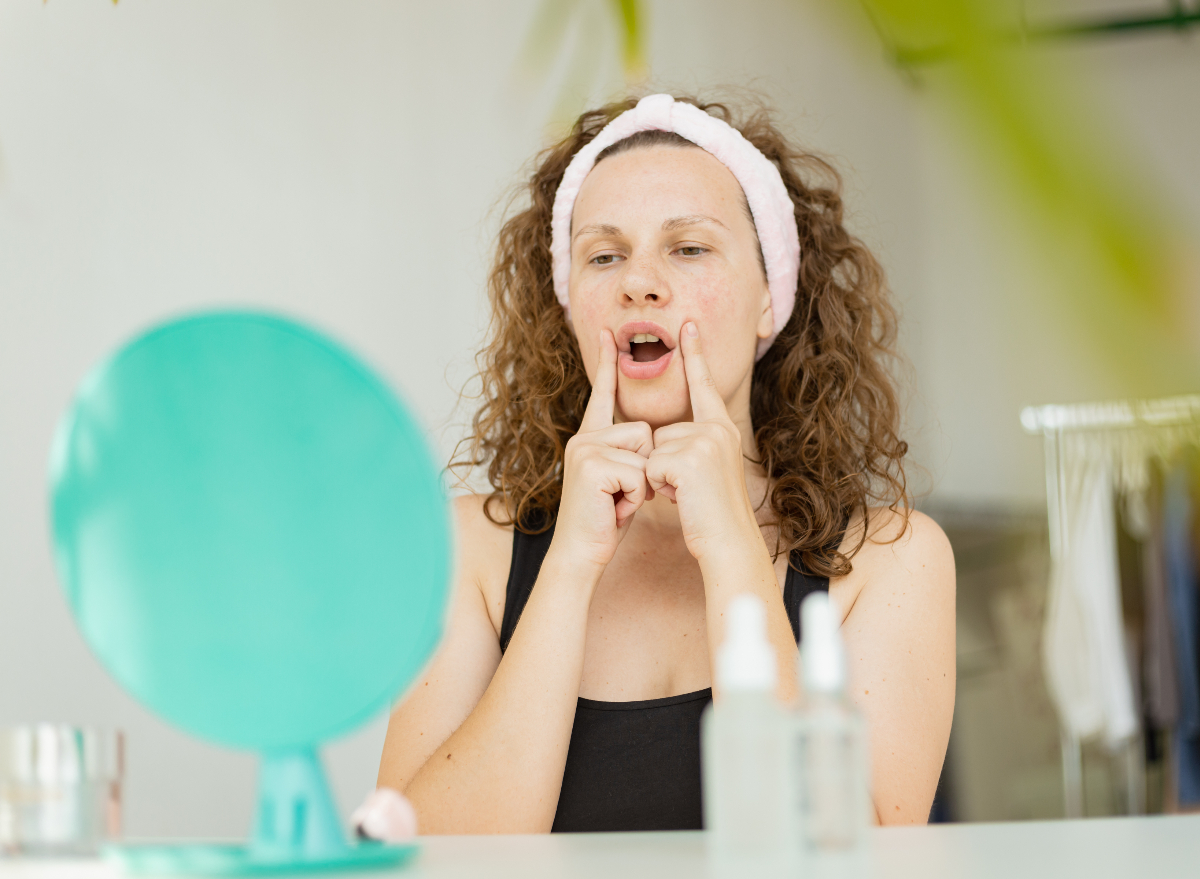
{"x":1036,"y":204}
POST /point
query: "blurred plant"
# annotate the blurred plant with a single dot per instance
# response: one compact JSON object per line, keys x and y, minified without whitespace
{"x":1115,"y":261}
{"x":1106,"y":234}
{"x":592,"y":23}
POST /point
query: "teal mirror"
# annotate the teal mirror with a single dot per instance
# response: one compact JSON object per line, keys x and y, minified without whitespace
{"x":252,"y":535}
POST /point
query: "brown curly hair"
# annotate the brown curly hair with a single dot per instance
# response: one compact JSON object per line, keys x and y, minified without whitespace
{"x":823,"y":404}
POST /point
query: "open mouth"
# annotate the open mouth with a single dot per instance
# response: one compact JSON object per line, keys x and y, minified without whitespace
{"x":646,"y":348}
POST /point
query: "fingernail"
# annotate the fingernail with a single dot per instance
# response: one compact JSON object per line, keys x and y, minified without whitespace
{"x":691,"y":329}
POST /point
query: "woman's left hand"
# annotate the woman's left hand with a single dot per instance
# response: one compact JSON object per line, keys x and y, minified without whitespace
{"x":698,"y":463}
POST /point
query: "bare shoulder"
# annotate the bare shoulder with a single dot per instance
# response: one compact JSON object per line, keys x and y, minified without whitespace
{"x":899,"y":628}
{"x":484,"y":550}
{"x":898,"y":549}
{"x":895,"y":537}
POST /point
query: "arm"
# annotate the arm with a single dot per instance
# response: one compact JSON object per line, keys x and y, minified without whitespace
{"x":480,"y":744}
{"x":478,"y":730}
{"x":467,"y":657}
{"x":898,"y":602}
{"x":739,"y":566}
{"x":700,"y":466}
{"x":899,"y":631}
{"x":742,"y":564}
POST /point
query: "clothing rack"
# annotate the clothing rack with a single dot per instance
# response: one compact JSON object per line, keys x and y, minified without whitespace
{"x":1155,"y":427}
{"x":1167,"y":412}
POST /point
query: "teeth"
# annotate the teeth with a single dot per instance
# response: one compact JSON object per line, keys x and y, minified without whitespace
{"x":644,"y":337}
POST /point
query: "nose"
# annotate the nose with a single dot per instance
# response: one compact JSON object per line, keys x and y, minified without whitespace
{"x":643,"y":284}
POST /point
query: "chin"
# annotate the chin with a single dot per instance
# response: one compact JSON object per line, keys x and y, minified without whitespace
{"x":655,"y":408}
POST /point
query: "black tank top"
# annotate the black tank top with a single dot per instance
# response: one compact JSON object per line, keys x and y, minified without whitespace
{"x":630,"y":765}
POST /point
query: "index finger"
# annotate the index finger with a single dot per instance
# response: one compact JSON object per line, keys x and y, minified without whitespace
{"x":603,"y":401}
{"x":707,"y":404}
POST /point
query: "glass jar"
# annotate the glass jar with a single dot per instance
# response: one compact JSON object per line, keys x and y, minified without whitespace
{"x":60,"y":789}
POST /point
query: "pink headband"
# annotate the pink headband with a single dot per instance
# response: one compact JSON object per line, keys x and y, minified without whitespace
{"x":772,"y":208}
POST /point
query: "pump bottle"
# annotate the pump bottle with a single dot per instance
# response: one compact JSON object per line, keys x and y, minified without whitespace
{"x":744,"y":738}
{"x":829,"y":745}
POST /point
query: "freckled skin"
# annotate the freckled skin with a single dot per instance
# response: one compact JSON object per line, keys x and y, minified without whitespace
{"x":642,"y":272}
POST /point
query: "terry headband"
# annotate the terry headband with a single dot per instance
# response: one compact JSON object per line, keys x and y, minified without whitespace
{"x":770,"y":206}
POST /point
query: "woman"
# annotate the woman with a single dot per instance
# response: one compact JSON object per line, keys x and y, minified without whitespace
{"x":686,"y":397}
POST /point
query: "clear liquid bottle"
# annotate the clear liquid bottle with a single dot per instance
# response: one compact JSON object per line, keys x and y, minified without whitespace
{"x":830,"y":768}
{"x":744,"y":739}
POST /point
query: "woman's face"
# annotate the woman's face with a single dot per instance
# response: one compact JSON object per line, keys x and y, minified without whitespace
{"x":661,"y":236}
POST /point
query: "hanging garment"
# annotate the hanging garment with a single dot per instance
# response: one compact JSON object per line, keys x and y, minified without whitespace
{"x":1133,"y":609}
{"x":1180,"y":568}
{"x":1159,"y":676}
{"x":1084,"y":639}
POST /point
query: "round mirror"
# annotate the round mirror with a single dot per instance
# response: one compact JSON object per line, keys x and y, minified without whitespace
{"x":250,"y":530}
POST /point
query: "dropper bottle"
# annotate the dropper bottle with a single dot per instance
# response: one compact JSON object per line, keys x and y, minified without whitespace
{"x":833,"y":807}
{"x":744,"y":745}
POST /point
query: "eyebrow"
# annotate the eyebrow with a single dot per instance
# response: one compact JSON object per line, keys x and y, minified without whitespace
{"x":669,"y":225}
{"x":692,"y":220}
{"x":597,"y":229}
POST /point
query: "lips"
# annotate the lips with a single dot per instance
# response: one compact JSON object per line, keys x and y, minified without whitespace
{"x":645,"y":358}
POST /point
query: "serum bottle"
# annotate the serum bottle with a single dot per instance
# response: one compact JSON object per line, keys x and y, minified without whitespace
{"x":829,"y":746}
{"x":744,"y":739}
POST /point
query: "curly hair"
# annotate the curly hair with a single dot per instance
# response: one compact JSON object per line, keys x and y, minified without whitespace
{"x":823,"y":404}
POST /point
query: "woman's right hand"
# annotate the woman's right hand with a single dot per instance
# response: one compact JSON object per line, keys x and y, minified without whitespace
{"x":604,"y":472}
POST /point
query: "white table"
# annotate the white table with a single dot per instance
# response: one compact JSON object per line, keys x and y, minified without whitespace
{"x":1160,"y":847}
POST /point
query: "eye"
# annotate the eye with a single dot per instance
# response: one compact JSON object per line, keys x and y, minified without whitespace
{"x":604,"y":259}
{"x":691,"y":250}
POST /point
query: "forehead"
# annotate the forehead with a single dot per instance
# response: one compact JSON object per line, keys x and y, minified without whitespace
{"x":651,"y":183}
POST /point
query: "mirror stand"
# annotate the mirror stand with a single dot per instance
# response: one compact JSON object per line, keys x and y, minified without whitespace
{"x":296,"y":829}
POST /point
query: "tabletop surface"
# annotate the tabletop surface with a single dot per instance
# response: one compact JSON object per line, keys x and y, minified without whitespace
{"x":1158,"y":847}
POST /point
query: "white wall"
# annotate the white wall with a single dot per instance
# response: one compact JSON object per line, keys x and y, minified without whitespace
{"x":340,"y":162}
{"x":333,"y":161}
{"x":993,"y":335}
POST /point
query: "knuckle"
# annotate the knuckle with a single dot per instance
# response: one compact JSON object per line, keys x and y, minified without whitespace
{"x":721,"y":433}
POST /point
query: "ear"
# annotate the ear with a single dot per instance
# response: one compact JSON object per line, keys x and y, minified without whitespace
{"x":766,"y":319}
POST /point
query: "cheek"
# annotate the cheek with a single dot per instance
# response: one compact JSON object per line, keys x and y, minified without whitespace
{"x":720,"y":305}
{"x":587,"y":314}
{"x":729,"y":325}
{"x":587,"y":319}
